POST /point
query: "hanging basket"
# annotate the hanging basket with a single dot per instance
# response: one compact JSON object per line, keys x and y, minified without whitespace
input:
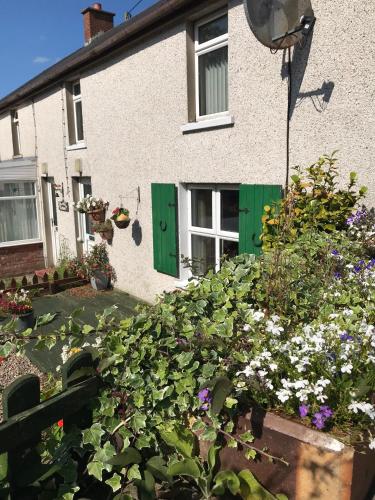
{"x":106,"y":235}
{"x":122,"y":224}
{"x":97,"y":215}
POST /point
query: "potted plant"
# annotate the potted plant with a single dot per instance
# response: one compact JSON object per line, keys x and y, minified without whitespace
{"x":105,"y":229}
{"x":98,"y":268}
{"x":120,"y":217}
{"x":19,"y":305}
{"x":95,"y":207}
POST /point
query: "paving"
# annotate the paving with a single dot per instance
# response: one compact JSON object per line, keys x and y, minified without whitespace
{"x":63,"y":304}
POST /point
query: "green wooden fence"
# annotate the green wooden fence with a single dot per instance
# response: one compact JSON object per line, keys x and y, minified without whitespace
{"x":25,"y":417}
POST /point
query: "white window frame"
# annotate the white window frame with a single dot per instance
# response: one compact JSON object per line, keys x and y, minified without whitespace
{"x":204,"y":48}
{"x":26,"y":197}
{"x":15,"y":124}
{"x":216,"y":232}
{"x":76,"y":99}
{"x":86,"y":238}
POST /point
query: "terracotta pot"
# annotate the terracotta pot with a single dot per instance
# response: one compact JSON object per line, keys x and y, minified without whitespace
{"x":122,"y":224}
{"x":97,"y":215}
{"x":26,"y":321}
{"x":106,"y":235}
{"x":320,"y":466}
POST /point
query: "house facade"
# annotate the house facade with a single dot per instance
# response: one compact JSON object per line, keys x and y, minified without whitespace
{"x":181,"y":116}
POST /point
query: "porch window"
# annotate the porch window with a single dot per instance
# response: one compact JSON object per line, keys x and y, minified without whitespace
{"x":75,"y":115}
{"x":211,"y":65}
{"x":19,"y":215}
{"x":213,"y":225}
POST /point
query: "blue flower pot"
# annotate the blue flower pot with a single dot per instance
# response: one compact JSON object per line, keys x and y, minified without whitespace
{"x":99,"y":281}
{"x":26,"y":321}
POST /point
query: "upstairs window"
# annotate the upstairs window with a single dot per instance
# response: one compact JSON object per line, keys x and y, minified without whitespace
{"x":211,"y":66}
{"x":74,"y":111}
{"x":15,"y":133}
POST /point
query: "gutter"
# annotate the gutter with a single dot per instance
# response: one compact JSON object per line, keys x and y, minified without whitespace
{"x":153,"y":17}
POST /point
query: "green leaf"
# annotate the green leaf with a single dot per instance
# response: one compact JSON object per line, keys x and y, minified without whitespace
{"x":180,"y":438}
{"x":95,"y":469}
{"x":45,"y":319}
{"x":228,"y":479}
{"x":127,"y":457}
{"x":156,"y":465}
{"x":210,"y":434}
{"x":93,"y":435}
{"x":146,"y":488}
{"x":247,"y":437}
{"x":3,"y":466}
{"x":186,"y":467}
{"x":138,"y":421}
{"x":212,"y":456}
{"x":86,"y":329}
{"x":221,"y":390}
{"x":134,"y":473}
{"x":6,"y":349}
{"x":251,"y":487}
{"x":114,"y":482}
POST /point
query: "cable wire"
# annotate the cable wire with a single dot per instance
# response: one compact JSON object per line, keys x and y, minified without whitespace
{"x":135,"y":6}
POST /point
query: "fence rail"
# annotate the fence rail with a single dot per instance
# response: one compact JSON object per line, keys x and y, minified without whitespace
{"x":45,"y":284}
{"x":25,"y":417}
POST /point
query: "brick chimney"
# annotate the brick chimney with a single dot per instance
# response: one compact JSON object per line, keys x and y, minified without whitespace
{"x":96,"y":21}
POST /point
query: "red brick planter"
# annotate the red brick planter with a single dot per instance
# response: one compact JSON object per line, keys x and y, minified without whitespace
{"x":321,"y":467}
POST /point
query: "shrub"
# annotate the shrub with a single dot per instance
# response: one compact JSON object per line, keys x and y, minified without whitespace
{"x":313,"y":202}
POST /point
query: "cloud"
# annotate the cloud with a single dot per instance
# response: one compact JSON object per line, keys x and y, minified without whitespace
{"x":41,"y":60}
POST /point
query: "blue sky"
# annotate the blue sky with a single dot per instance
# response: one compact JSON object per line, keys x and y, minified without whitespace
{"x":34,"y":34}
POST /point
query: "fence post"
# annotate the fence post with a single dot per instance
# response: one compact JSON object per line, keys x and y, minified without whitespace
{"x":21,"y":395}
{"x":77,"y":369}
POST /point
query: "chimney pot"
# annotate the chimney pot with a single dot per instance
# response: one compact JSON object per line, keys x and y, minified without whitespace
{"x":96,"y":21}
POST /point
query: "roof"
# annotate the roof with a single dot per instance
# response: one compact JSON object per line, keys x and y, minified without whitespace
{"x":100,"y":47}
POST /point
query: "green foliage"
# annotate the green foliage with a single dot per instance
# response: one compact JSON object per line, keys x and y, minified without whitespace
{"x":313,"y":202}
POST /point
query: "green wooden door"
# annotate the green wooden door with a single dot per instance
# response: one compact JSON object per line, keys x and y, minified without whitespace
{"x":164,"y":227}
{"x":253,"y":198}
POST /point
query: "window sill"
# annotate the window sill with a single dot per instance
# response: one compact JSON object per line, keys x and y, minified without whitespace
{"x":74,"y":147}
{"x":7,"y":244}
{"x":222,"y":121}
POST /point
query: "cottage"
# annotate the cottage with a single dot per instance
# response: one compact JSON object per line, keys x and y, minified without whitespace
{"x":182,"y":116}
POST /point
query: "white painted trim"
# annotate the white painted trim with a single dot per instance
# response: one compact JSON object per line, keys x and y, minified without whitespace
{"x":222,"y":121}
{"x":20,"y":243}
{"x":78,"y":145}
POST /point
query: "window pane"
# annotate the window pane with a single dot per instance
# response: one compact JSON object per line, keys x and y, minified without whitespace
{"x":79,"y":119}
{"x":18,"y":220}
{"x":228,"y":248}
{"x":201,"y":208}
{"x":202,"y":254}
{"x":213,"y":82}
{"x":213,"y":29}
{"x":229,"y":220}
{"x":88,"y":221}
{"x":17,"y":189}
{"x":77,"y":89}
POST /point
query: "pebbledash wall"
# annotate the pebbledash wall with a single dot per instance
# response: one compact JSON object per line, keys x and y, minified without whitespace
{"x":135,"y":105}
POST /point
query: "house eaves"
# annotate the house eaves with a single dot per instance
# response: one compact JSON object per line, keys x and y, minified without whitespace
{"x":155,"y":17}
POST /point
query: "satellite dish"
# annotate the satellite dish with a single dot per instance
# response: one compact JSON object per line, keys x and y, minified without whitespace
{"x":279,"y":24}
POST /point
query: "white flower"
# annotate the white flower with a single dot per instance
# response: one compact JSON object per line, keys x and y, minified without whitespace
{"x":262,"y":373}
{"x":347,"y":368}
{"x":364,"y":407}
{"x":372,"y":444}
{"x":246,"y":328}
{"x":248,"y":371}
{"x":258,"y":316}
{"x":273,"y":367}
{"x":283,"y":394}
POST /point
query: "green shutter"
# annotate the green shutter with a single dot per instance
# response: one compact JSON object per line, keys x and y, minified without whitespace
{"x":164,"y":226}
{"x":253,"y":199}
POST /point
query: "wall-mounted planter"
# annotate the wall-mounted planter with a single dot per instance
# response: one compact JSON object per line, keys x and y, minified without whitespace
{"x":106,"y":235}
{"x":320,"y":466}
{"x":122,"y":224}
{"x":97,"y":215}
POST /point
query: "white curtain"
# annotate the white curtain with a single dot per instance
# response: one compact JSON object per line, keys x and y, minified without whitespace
{"x":213,"y":81}
{"x":18,"y":220}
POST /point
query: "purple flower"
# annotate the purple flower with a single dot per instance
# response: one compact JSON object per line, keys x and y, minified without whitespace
{"x":357,"y":269}
{"x":326,"y":411}
{"x":335,"y":252}
{"x":318,"y":420}
{"x":338,"y":276}
{"x":345,"y":336}
{"x":181,"y":341}
{"x":204,"y":396}
{"x":304,"y":410}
